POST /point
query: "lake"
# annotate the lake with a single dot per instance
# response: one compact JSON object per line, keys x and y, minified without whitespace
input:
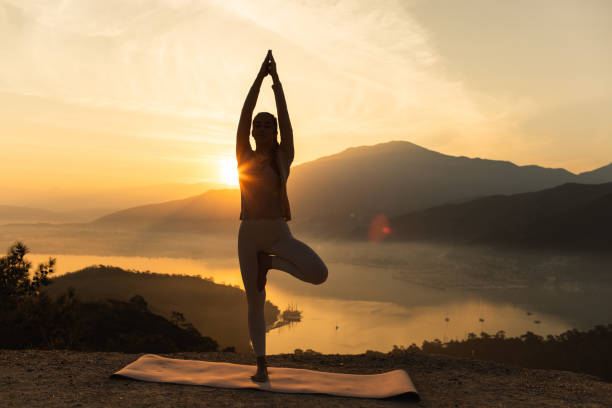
{"x":366,"y":307}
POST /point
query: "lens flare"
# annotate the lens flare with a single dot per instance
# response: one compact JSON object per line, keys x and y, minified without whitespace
{"x":379,"y":228}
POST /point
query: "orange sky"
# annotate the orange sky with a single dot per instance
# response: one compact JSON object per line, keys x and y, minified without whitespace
{"x":119,"y":93}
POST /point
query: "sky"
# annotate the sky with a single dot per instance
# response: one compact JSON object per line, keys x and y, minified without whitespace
{"x":121,"y":93}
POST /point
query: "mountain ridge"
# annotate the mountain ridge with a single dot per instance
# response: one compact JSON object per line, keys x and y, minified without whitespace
{"x":604,"y":172}
{"x":346,"y":189}
{"x":570,"y":215}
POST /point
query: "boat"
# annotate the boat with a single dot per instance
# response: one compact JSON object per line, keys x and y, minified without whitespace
{"x":292,"y":314}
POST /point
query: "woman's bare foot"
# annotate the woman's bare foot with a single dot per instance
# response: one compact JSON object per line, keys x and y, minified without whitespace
{"x":264,"y":262}
{"x":260,"y":376}
{"x":262,"y":370}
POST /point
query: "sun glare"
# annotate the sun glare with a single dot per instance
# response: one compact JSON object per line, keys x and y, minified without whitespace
{"x":228,"y":171}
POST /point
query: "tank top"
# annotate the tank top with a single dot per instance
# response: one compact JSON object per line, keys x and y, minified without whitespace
{"x":260,"y":185}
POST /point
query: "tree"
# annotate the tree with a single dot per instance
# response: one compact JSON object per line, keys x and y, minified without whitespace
{"x":15,"y":282}
{"x":29,"y":318}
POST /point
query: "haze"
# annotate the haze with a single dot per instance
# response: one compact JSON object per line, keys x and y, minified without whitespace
{"x":116,"y":94}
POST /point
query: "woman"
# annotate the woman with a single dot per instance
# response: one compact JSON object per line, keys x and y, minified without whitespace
{"x":264,"y":239}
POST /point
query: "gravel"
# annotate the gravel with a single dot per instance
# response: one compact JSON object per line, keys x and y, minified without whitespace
{"x":62,"y":378}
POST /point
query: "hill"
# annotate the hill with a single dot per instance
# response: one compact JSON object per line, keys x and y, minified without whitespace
{"x":600,"y":175}
{"x":210,"y":211}
{"x":397,"y":177}
{"x":571,"y":215}
{"x":218,"y":311}
{"x":345,"y":190}
{"x":86,"y":203}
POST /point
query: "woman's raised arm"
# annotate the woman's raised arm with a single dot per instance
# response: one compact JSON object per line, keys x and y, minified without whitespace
{"x":246,"y":116}
{"x":284,"y":124}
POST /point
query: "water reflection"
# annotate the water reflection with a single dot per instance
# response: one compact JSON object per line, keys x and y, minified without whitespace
{"x":223,"y":270}
{"x":375,"y":310}
{"x":364,"y":325}
{"x":363,"y":307}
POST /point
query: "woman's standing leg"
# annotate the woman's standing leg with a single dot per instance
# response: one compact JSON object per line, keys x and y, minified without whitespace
{"x":247,"y":255}
{"x":298,"y":259}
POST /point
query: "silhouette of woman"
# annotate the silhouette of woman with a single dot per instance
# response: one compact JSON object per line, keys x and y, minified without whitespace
{"x":264,"y":239}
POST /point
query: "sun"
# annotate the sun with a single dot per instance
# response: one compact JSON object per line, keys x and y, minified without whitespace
{"x":228,"y":171}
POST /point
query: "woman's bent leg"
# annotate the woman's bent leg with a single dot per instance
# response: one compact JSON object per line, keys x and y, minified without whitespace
{"x":247,"y":255}
{"x":298,"y":259}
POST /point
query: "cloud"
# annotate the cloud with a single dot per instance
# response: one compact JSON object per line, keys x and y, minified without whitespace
{"x":354,"y":72}
{"x":348,"y":64}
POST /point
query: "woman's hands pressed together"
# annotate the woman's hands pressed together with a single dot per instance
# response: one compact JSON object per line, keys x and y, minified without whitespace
{"x":268,"y":67}
{"x":264,"y":70}
{"x":272,"y":67}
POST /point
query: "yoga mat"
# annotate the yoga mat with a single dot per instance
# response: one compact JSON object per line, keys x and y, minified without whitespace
{"x":151,"y":367}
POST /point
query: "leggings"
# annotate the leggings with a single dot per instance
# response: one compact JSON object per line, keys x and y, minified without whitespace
{"x":273,"y":237}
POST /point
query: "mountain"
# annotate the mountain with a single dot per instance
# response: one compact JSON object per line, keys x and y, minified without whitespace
{"x":571,"y":215}
{"x":202,"y":212}
{"x":84,"y":204}
{"x":600,"y":175}
{"x":346,"y":190}
{"x":397,"y":177}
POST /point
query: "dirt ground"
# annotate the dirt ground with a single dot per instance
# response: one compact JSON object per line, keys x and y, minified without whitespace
{"x":43,"y":378}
